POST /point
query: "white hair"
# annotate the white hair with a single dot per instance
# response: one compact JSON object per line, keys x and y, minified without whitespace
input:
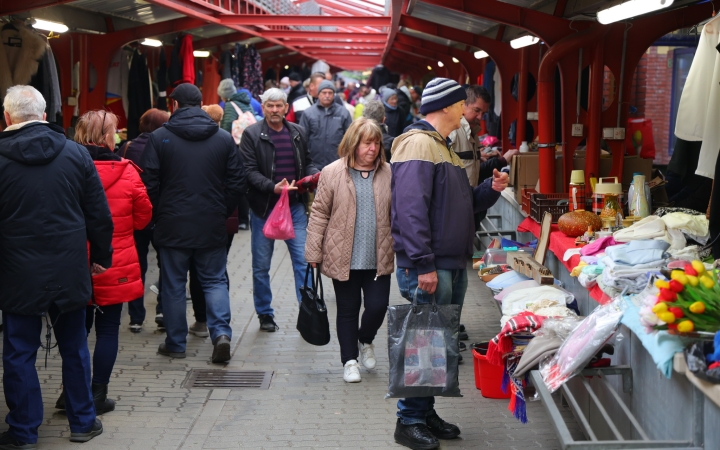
{"x":273,"y":95}
{"x":24,"y":103}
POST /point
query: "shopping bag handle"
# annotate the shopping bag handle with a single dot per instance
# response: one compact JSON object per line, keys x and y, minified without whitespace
{"x":415,"y":304}
{"x":316,"y":280}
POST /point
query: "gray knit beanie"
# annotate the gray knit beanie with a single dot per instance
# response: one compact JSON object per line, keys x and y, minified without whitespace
{"x":387,"y":93}
{"x":226,"y":88}
{"x":326,"y":84}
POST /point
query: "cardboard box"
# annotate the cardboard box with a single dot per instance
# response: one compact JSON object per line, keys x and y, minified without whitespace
{"x":525,"y":173}
{"x":631,"y":165}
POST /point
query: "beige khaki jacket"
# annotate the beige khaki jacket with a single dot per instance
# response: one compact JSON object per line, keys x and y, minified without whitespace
{"x":331,"y":229}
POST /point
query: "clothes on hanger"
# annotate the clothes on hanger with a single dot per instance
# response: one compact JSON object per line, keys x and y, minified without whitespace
{"x":47,"y":83}
{"x":116,"y":92}
{"x":162,"y":83}
{"x":20,"y":54}
{"x":188,"y":60}
{"x":238,"y":75}
{"x":226,"y":59}
{"x":139,"y":93}
{"x":252,"y":72}
{"x":175,"y":71}
{"x":699,"y":111}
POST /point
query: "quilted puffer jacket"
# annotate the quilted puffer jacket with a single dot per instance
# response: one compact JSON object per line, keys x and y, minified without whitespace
{"x":131,"y":210}
{"x":332,"y":221}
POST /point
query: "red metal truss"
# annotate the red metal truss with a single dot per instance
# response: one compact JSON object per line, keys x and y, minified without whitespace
{"x":331,"y":36}
{"x":314,"y":45}
{"x":221,"y":40}
{"x":396,"y":9}
{"x":300,"y":20}
{"x":348,"y":7}
{"x":8,"y":7}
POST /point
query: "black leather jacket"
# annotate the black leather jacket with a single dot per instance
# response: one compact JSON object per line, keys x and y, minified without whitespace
{"x":258,"y":155}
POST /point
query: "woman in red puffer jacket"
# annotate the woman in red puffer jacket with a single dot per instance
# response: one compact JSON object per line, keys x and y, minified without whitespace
{"x":131,"y":210}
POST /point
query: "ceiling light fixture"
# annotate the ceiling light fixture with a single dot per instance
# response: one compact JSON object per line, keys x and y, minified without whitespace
{"x":287,"y":67}
{"x":201,"y":53}
{"x":50,"y":26}
{"x":152,"y":43}
{"x":480,"y":54}
{"x":430,"y":68}
{"x":524,"y":41}
{"x":455,"y":60}
{"x":440,"y":64}
{"x":630,"y":9}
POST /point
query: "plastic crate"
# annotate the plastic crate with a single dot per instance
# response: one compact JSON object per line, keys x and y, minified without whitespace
{"x":540,"y":203}
{"x":525,"y":194}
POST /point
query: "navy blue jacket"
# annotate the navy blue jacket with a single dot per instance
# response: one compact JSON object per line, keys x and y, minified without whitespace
{"x":52,"y":204}
{"x":432,"y":202}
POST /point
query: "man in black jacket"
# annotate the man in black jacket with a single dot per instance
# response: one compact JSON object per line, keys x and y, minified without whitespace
{"x":194,"y":178}
{"x":274,"y":151}
{"x":296,"y":87}
{"x":52,"y":204}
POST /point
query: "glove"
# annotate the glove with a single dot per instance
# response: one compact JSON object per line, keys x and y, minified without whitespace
{"x":308,"y":183}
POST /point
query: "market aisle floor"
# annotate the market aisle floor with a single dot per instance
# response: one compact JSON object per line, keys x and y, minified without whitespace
{"x":308,"y":405}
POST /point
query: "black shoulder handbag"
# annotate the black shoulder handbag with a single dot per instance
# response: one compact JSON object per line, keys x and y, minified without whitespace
{"x":312,"y":321}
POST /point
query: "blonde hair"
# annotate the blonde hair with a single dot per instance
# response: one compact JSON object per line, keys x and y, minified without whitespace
{"x":214,"y":111}
{"x":361,"y":130}
{"x":96,"y":128}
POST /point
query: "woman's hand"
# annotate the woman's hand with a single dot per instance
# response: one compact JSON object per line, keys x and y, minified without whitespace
{"x":314,"y":265}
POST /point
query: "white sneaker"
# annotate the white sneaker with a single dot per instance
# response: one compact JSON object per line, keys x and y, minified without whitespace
{"x":352,"y":372}
{"x":367,"y":355}
{"x":154,"y":289}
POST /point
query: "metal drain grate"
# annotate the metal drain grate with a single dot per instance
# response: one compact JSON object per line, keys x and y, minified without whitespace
{"x":228,"y":379}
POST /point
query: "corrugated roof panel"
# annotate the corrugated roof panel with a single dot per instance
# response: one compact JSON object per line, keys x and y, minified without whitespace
{"x":136,"y":10}
{"x":452,"y":18}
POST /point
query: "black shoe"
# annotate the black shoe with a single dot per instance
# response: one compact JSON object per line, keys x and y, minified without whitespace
{"x":160,"y":321}
{"x":441,"y":429}
{"x":459,"y":358}
{"x":461,"y":328}
{"x":162,"y":349}
{"x":102,"y":403}
{"x":463,"y":336}
{"x":267,"y":323}
{"x":60,"y":403}
{"x":135,"y":327}
{"x":462,"y":346}
{"x":221,"y":352}
{"x":416,"y":436}
{"x":96,"y":430}
{"x":8,"y":442}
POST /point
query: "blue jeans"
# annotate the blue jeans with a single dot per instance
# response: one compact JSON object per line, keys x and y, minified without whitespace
{"x":21,"y":340}
{"x":210,"y":264}
{"x":262,"y":250}
{"x":107,"y":327}
{"x":451,"y":288}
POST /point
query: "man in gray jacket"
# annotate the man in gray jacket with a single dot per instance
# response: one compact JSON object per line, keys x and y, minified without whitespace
{"x":326,"y":123}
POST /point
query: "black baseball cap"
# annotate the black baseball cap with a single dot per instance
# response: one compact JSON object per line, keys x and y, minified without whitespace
{"x":294,"y":76}
{"x":187,"y":94}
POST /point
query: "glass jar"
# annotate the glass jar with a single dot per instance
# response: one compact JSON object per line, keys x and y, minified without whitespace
{"x":612,"y":207}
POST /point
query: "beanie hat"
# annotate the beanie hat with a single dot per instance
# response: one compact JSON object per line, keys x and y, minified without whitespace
{"x":440,"y":93}
{"x":226,"y":88}
{"x":387,"y":93}
{"x":326,"y":84}
{"x":294,"y":76}
{"x":285,"y":80}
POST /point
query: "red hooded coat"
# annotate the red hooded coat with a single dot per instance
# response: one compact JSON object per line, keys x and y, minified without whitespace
{"x":131,"y":210}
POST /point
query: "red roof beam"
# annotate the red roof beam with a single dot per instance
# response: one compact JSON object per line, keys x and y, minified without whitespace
{"x":335,"y":37}
{"x":299,"y":20}
{"x":8,"y":7}
{"x":350,"y":8}
{"x":309,"y":45}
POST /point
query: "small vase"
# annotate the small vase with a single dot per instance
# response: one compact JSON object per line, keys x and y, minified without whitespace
{"x":612,"y":207}
{"x":639,"y":205}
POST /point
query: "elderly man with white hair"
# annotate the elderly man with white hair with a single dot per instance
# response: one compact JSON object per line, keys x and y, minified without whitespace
{"x":275,"y":153}
{"x":53,"y":204}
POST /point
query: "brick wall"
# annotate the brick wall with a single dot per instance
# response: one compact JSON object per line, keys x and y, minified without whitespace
{"x":652,"y":96}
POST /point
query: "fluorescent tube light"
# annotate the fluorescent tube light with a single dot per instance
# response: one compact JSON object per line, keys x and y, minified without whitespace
{"x":630,"y":9}
{"x":201,"y":53}
{"x":480,"y":54}
{"x":50,"y":26}
{"x":455,"y":60}
{"x":440,"y":64}
{"x":151,"y":43}
{"x":524,"y":41}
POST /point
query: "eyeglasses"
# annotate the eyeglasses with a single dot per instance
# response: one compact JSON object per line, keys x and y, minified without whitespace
{"x":102,"y":127}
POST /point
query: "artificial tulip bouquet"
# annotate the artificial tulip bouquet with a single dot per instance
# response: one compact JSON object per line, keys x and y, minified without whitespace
{"x":688,"y":302}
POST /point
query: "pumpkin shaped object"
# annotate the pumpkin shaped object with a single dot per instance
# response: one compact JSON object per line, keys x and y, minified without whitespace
{"x":576,"y":223}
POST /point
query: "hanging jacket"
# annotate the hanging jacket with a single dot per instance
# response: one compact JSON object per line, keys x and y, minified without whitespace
{"x":432,"y":202}
{"x":162,"y":83}
{"x":194,"y":178}
{"x":131,"y":210}
{"x":325,"y":129}
{"x":175,"y":70}
{"x":242,"y":101}
{"x":188,"y":60}
{"x":20,"y":61}
{"x":51,"y":205}
{"x":139,"y":94}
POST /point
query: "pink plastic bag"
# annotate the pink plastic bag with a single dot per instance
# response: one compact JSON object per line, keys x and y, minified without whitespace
{"x":279,"y":224}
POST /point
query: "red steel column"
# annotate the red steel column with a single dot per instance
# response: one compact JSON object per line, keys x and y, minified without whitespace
{"x":522,"y":99}
{"x":595,"y":96}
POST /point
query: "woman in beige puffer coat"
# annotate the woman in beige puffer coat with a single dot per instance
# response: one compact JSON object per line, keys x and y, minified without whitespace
{"x":348,"y":236}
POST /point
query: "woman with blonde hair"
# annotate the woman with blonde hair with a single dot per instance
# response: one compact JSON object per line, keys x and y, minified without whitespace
{"x":131,"y":210}
{"x":348,"y":236}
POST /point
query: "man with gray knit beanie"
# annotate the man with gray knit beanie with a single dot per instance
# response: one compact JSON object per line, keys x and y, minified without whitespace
{"x":325,"y":123}
{"x":432,"y":228}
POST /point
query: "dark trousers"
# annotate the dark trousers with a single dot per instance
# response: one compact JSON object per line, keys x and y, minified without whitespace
{"x":244,"y":211}
{"x":107,"y":327}
{"x":196,"y":291}
{"x":349,"y":295}
{"x":136,"y":308}
{"x":21,"y":340}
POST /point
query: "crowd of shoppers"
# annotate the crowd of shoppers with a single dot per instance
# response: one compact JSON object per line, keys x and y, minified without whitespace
{"x":77,"y":220}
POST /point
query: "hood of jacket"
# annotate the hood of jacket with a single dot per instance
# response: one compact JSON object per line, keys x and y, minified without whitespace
{"x":420,"y":127}
{"x":241,"y":97}
{"x":34,"y":144}
{"x":192,"y":124}
{"x":111,"y":171}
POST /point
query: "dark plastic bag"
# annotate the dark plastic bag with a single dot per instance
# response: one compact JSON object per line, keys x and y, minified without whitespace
{"x":697,"y":363}
{"x":423,"y":350}
{"x":312,"y":322}
{"x":279,"y":224}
